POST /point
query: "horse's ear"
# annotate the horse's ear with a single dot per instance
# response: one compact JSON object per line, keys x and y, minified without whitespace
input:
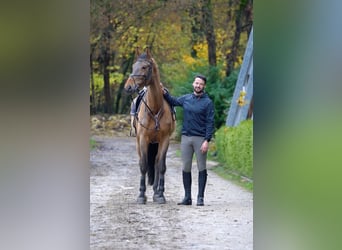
{"x":137,"y":52}
{"x":148,"y":53}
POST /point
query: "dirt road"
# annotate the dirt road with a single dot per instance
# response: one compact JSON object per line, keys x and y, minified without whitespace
{"x":117,"y":222}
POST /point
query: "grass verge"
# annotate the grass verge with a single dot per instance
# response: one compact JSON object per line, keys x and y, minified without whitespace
{"x":92,"y":144}
{"x":234,"y":177}
{"x":221,"y":171}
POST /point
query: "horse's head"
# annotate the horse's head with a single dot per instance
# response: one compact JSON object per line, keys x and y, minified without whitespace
{"x":142,"y":72}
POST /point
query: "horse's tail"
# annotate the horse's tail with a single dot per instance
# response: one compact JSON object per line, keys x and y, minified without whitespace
{"x":151,"y":159}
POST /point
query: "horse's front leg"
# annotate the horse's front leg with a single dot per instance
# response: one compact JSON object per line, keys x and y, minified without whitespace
{"x":143,"y":169}
{"x":161,"y":168}
{"x":156,"y":183}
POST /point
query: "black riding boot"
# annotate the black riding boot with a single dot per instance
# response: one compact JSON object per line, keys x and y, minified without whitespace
{"x":187,"y":188}
{"x":202,"y":180}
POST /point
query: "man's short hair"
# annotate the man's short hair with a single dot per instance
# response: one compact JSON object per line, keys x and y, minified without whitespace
{"x":202,"y":77}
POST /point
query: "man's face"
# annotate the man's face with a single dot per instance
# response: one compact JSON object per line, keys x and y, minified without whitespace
{"x":198,"y":85}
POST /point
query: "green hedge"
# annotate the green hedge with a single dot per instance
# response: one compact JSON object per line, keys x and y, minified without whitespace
{"x":235,"y":148}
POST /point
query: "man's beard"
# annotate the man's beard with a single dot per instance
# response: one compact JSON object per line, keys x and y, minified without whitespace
{"x":198,"y":92}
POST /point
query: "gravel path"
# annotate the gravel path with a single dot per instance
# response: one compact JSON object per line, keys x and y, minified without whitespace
{"x":117,"y":222}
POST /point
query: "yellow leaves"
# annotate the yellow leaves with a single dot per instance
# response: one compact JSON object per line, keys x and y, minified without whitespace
{"x":201,"y":50}
{"x":241,"y":100}
{"x":189,"y":60}
{"x":221,"y":35}
{"x":221,"y":39}
{"x":202,"y":55}
{"x":238,"y":62}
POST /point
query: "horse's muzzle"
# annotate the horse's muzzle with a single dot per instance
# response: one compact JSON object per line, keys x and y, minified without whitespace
{"x":130,"y":86}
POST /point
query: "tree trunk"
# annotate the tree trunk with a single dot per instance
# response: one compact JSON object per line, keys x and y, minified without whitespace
{"x":231,"y":57}
{"x":243,"y":13}
{"x":127,"y":65}
{"x":249,"y":17}
{"x":196,"y":28}
{"x":93,"y":94}
{"x":108,"y":100}
{"x":209,"y":31}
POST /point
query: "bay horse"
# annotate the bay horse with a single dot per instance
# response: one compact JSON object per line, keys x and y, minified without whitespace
{"x":155,"y":124}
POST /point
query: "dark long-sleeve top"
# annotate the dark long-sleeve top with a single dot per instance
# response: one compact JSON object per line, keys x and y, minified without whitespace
{"x":198,"y":117}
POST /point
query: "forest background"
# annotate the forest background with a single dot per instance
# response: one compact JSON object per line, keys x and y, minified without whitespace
{"x":185,"y":37}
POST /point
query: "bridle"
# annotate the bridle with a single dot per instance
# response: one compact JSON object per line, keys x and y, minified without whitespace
{"x":146,"y":77}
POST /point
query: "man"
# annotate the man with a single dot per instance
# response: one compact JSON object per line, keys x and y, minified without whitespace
{"x":197,"y":131}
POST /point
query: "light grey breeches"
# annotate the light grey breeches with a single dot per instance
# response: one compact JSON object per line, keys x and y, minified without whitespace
{"x":189,"y":146}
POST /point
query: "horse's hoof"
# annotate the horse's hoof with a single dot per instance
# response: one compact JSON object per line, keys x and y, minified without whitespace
{"x":159,"y":199}
{"x":141,"y":200}
{"x":155,"y":197}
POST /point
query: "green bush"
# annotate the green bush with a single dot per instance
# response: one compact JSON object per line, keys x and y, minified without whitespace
{"x":221,"y":90}
{"x":235,"y":148}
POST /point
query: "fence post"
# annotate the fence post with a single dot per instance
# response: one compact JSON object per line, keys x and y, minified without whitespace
{"x":238,"y":111}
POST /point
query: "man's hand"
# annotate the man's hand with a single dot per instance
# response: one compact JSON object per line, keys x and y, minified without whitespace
{"x":165,"y":91}
{"x":205,"y":146}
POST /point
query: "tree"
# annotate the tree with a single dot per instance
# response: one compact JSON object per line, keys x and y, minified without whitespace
{"x":100,"y":43}
{"x":208,"y":26}
{"x":243,"y":11}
